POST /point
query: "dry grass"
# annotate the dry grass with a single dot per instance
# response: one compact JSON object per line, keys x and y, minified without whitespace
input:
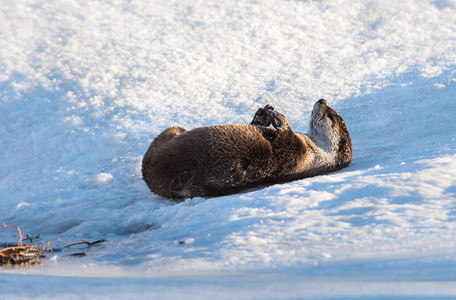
{"x":22,"y":254}
{"x":31,"y":254}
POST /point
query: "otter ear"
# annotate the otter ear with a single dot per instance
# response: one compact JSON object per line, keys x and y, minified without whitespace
{"x":322,"y":101}
{"x":268,"y":107}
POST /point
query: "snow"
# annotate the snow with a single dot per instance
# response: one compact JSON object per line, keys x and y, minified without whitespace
{"x":86,"y":85}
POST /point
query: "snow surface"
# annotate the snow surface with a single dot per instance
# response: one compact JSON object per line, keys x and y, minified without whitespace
{"x":86,"y":85}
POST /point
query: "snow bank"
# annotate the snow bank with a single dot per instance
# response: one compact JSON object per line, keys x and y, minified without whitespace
{"x":85,"y":87}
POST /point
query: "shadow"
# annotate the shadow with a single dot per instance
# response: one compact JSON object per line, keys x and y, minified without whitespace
{"x":409,"y":120}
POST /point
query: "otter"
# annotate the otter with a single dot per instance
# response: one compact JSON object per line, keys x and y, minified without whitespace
{"x":224,"y":159}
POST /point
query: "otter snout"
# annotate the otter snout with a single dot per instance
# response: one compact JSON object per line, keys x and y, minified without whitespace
{"x":318,"y":109}
{"x":319,"y":105}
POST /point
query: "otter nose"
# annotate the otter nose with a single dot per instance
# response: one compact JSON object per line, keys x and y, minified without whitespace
{"x":322,"y":101}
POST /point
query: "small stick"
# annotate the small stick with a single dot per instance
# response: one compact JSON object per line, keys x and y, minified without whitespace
{"x":31,"y":238}
{"x":86,"y":242}
{"x":19,"y":244}
{"x":77,"y":254}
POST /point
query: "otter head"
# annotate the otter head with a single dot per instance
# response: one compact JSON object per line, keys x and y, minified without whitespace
{"x":327,"y":130}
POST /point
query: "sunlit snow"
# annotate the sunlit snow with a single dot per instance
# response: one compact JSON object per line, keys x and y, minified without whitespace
{"x":86,"y":85}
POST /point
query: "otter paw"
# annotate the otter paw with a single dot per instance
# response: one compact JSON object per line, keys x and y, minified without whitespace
{"x":261,"y":116}
{"x":277,"y":119}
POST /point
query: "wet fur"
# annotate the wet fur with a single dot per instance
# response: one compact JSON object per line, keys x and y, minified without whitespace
{"x":222,"y":159}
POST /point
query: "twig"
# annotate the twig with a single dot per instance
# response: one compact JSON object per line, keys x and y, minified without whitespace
{"x":77,"y":254}
{"x":27,"y":237}
{"x":27,"y":254}
{"x":22,"y":254}
{"x":19,"y":244}
{"x":86,"y":242}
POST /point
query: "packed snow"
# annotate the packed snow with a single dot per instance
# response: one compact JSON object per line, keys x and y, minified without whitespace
{"x":86,"y":85}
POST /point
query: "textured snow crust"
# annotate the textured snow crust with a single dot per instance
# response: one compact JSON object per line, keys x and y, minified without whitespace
{"x":86,"y":85}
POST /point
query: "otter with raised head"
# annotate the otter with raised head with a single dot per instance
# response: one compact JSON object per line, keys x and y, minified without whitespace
{"x":222,"y":159}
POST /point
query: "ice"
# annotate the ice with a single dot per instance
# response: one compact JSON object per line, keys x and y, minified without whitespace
{"x":86,"y":86}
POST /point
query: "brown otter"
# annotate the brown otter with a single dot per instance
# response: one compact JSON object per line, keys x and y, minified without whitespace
{"x":222,"y":159}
